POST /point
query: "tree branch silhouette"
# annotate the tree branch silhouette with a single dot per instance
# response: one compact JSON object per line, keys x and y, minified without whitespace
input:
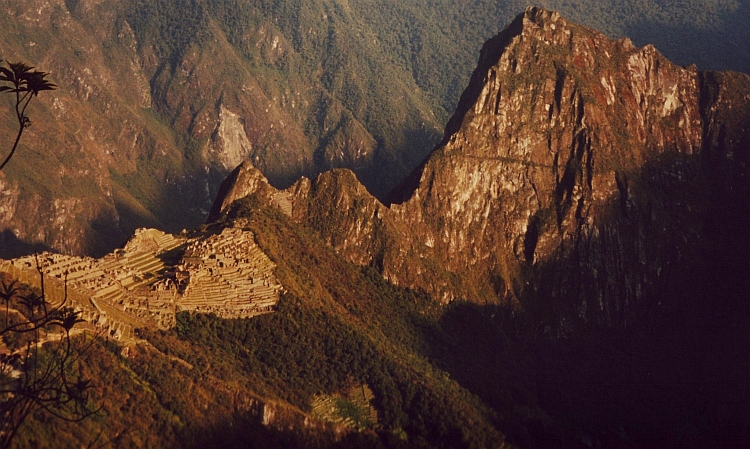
{"x":25,"y":83}
{"x":36,"y":373}
{"x":40,"y":374}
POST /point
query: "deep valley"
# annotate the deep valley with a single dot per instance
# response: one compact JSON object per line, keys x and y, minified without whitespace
{"x":551,"y":252}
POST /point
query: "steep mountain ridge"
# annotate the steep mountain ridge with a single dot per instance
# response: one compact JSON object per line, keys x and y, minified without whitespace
{"x":594,"y":200}
{"x":589,"y":195}
{"x":568,"y":156}
{"x":160,"y":99}
{"x":556,"y":119}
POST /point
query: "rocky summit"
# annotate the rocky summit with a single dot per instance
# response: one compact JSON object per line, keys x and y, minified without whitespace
{"x":158,"y":100}
{"x":594,"y":199}
{"x":574,"y":164}
{"x":567,"y":268}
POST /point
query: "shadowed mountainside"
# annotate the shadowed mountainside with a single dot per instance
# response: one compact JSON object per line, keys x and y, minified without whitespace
{"x":596,"y":198}
{"x":160,"y":99}
{"x":568,"y":269}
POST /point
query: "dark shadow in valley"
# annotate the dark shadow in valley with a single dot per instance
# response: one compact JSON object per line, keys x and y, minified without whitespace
{"x":590,"y":361}
{"x":389,"y":170}
{"x":12,"y":247}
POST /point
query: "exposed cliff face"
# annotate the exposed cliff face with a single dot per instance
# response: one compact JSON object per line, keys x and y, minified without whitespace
{"x":604,"y":194}
{"x":243,"y":181}
{"x":576,"y":169}
{"x":556,"y":127}
{"x":159,"y":101}
{"x":349,"y":218}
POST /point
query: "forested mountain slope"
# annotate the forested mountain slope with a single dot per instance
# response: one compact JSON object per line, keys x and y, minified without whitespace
{"x":596,"y":192}
{"x":461,"y":375}
{"x":211,"y":382}
{"x":568,"y":268}
{"x":160,"y":99}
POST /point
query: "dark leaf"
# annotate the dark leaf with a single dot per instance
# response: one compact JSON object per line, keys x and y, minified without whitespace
{"x":7,"y":75}
{"x":35,"y":82}
{"x":67,"y":318}
{"x":33,"y":301}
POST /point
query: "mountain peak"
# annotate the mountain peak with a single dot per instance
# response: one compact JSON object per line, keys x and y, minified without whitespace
{"x":562,"y":139}
{"x":539,"y":16}
{"x":243,"y":181}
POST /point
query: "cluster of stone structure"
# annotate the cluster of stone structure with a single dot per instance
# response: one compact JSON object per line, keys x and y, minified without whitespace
{"x":155,"y":276}
{"x":353,"y":410}
{"x":227,"y":274}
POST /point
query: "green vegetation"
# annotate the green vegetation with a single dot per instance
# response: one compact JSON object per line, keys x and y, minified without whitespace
{"x":329,"y":334}
{"x":398,"y":67}
{"x":462,"y":375}
{"x":40,"y":361}
{"x":39,"y":357}
{"x":331,"y":330}
{"x":142,"y":82}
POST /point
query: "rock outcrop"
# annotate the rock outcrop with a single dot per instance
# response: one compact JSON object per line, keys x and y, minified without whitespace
{"x":157,"y":104}
{"x":243,"y":181}
{"x":570,"y":151}
{"x":576,"y":168}
{"x":148,"y":119}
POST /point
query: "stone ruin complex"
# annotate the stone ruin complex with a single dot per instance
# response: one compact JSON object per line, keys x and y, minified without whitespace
{"x":155,"y":276}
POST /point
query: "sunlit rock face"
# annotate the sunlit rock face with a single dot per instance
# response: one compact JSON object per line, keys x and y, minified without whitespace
{"x":575,"y":168}
{"x":243,"y":181}
{"x":547,"y":159}
{"x":156,"y":105}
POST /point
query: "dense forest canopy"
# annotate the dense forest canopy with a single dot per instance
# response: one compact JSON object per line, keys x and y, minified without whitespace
{"x":387,"y":73}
